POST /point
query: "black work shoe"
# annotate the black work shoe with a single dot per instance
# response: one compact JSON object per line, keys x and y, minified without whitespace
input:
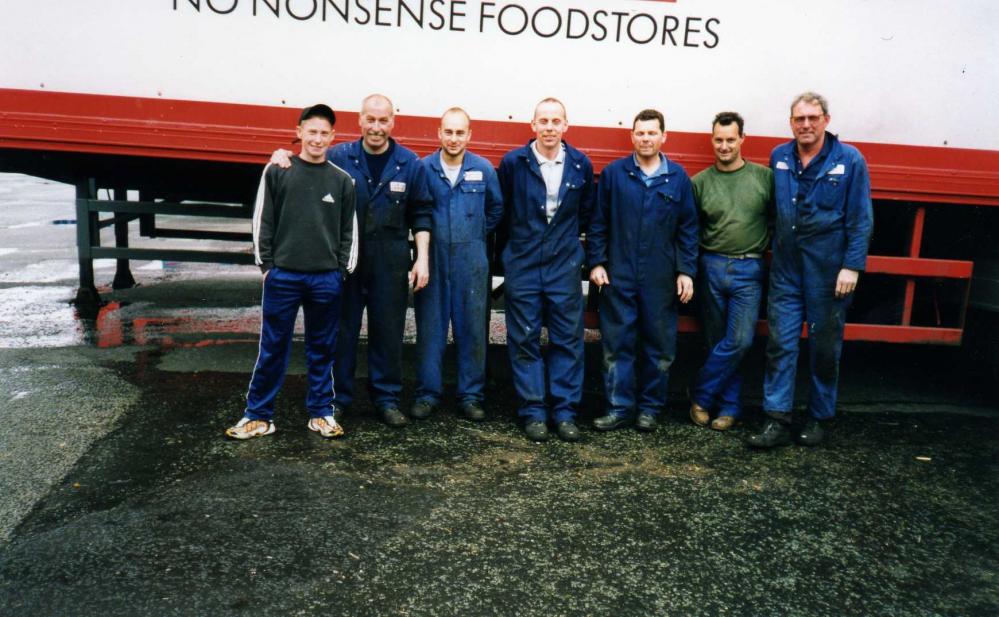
{"x":393,"y":417}
{"x":421,"y":410}
{"x":810,"y":434}
{"x":646,"y":422}
{"x":568,"y":431}
{"x":536,"y":431}
{"x":611,"y":422}
{"x":773,"y":434}
{"x":474,"y":411}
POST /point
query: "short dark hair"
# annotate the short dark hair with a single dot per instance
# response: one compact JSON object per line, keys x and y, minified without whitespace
{"x":650,"y":114}
{"x":726,"y":118}
{"x":318,"y":111}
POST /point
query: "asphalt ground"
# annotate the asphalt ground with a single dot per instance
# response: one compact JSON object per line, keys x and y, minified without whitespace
{"x":118,"y":495}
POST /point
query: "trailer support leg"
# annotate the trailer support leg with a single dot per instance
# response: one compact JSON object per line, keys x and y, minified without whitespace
{"x":123,"y":278}
{"x":88,"y":301}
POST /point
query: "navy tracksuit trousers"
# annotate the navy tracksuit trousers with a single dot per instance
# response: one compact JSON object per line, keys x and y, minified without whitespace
{"x":318,"y":293}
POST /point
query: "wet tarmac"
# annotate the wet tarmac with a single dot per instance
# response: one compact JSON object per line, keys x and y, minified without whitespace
{"x":118,"y":495}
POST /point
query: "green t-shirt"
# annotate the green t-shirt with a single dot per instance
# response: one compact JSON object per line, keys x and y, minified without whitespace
{"x":733,"y":207}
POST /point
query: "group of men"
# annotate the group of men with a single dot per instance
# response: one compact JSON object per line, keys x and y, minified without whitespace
{"x":332,"y":229}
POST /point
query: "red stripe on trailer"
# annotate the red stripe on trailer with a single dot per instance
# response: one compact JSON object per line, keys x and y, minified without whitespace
{"x":133,"y":126}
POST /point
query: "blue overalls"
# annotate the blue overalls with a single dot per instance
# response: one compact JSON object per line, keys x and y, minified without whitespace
{"x":458,"y":292}
{"x":386,"y":211}
{"x":542,"y":263}
{"x":644,"y":236}
{"x":820,"y":229}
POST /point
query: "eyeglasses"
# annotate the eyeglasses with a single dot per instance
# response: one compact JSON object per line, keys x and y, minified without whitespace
{"x":800,"y":120}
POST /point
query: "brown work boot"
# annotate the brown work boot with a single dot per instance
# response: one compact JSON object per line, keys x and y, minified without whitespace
{"x":723,"y":423}
{"x":699,"y":415}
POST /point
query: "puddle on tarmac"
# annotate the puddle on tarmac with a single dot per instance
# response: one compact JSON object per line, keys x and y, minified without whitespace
{"x":43,"y":316}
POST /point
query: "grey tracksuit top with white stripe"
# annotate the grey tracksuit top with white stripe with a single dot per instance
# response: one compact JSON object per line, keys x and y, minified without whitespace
{"x":304,"y":218}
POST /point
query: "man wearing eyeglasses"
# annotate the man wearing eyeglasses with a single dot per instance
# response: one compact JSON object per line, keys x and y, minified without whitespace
{"x":824,"y":221}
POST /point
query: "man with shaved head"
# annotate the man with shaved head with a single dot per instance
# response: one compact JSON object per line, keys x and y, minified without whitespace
{"x":467,"y":206}
{"x":548,"y":194}
{"x":392,"y":200}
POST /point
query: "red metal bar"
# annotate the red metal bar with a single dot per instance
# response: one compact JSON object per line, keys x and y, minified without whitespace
{"x":906,"y":266}
{"x":864,"y":332}
{"x":915,"y":244}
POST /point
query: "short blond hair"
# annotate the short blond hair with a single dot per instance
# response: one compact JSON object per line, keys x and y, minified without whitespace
{"x":551,"y":99}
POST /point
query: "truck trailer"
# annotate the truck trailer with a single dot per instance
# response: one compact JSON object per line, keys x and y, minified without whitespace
{"x":178,"y":103}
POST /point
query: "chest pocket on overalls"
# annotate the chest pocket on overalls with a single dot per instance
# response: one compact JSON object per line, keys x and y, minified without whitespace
{"x":395,"y":215}
{"x":665,"y":206}
{"x":473,"y":199}
{"x":829,"y":190}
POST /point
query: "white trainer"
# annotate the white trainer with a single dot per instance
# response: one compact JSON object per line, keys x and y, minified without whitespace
{"x":248,"y":429}
{"x":327,"y":426}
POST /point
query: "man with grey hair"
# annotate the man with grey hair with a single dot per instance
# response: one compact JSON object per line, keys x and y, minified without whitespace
{"x":824,"y":220}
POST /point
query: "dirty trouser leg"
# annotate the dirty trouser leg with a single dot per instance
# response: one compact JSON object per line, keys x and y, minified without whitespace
{"x":619,"y":340}
{"x":387,"y":300}
{"x":282,"y":296}
{"x":469,"y":310}
{"x":826,"y":317}
{"x":433,"y":312}
{"x":733,"y":290}
{"x":523,"y":332}
{"x":563,"y":314}
{"x":321,"y":309}
{"x":345,"y":354}
{"x":785,"y":314}
{"x":657,"y":327}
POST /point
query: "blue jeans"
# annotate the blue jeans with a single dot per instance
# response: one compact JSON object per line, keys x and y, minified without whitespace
{"x":730,"y":293}
{"x":318,"y":293}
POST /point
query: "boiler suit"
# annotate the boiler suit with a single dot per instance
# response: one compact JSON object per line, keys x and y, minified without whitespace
{"x":542,"y":261}
{"x":387,"y":209}
{"x":458,"y":292}
{"x":644,"y":236}
{"x":823,"y":224}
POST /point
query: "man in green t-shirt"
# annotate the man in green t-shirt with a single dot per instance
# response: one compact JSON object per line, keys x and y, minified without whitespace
{"x":733,"y":200}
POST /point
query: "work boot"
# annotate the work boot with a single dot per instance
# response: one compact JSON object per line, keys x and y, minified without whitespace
{"x":611,"y":422}
{"x":699,"y":415}
{"x":474,"y":411}
{"x":536,"y":431}
{"x":723,"y":423}
{"x":394,"y":418}
{"x":421,"y":410}
{"x":773,"y":434}
{"x":810,"y":434}
{"x":646,"y":422}
{"x":568,"y":431}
